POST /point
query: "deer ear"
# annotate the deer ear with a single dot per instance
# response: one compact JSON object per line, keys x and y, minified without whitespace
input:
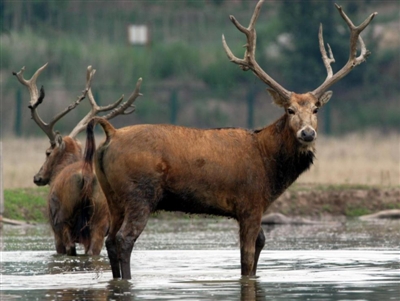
{"x":276,"y":97}
{"x":324,"y":98}
{"x":60,"y":142}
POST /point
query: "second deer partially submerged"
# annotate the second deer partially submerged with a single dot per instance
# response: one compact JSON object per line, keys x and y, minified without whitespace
{"x":77,"y":207}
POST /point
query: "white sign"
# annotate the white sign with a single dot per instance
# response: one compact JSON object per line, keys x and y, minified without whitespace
{"x":138,"y":34}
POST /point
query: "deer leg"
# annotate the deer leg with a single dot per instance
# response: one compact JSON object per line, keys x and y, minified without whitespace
{"x":260,"y":243}
{"x":98,"y":232}
{"x":249,"y":231}
{"x":60,"y":247}
{"x":111,"y":245}
{"x":96,"y":242}
{"x":69,"y":242}
{"x":135,"y":221}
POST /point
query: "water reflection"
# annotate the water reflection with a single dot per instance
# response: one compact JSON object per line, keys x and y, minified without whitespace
{"x":198,"y":259}
{"x":251,"y":290}
{"x":120,"y":290}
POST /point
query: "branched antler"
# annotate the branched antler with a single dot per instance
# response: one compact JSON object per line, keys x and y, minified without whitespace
{"x":249,"y":61}
{"x":353,"y":60}
{"x":36,"y":99}
{"x":117,"y":108}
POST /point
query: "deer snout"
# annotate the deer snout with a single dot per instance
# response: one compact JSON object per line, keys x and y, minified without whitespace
{"x":39,"y":181}
{"x":307,"y":134}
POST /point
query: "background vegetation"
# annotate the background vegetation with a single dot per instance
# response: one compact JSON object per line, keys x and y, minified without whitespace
{"x":187,"y":78}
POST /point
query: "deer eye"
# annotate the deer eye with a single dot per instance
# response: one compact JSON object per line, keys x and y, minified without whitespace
{"x":48,"y":153}
{"x":290,"y":111}
{"x":315,"y":111}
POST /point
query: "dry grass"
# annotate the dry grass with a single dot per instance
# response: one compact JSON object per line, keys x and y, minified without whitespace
{"x":369,"y":159}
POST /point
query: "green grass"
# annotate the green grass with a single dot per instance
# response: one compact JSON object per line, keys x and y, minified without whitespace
{"x":355,"y":211}
{"x":28,"y":204}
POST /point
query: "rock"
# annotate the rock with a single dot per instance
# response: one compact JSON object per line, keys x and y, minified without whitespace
{"x":389,"y":214}
{"x":278,"y":218}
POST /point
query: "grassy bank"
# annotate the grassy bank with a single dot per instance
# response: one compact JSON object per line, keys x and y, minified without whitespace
{"x":28,"y":204}
{"x":315,"y":200}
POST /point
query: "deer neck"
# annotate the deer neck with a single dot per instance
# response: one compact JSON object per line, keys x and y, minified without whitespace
{"x":285,"y":159}
{"x":71,"y":155}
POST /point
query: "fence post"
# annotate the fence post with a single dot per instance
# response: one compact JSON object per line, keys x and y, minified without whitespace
{"x":18,"y":113}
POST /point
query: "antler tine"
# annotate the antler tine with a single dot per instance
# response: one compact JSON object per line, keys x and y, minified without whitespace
{"x":328,"y":60}
{"x":249,"y":61}
{"x":35,"y":100}
{"x":121,"y":110}
{"x":85,"y":92}
{"x":353,"y":60}
{"x":117,"y":107}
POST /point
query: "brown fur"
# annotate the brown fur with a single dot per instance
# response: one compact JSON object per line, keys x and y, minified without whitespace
{"x":229,"y":172}
{"x":77,"y":208}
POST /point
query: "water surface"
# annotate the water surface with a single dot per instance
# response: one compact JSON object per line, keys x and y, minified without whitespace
{"x":198,"y":259}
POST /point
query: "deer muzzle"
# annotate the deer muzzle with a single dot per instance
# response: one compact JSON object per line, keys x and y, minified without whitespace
{"x":306,"y":135}
{"x":39,"y":181}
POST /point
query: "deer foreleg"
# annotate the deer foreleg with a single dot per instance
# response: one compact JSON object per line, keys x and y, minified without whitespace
{"x":260,"y":242}
{"x":249,"y":235}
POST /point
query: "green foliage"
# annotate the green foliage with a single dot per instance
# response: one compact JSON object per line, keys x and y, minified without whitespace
{"x":186,"y":50}
{"x":173,"y":60}
{"x":26,"y":204}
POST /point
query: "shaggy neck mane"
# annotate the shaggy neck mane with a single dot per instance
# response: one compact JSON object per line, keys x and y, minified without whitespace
{"x":285,"y":159}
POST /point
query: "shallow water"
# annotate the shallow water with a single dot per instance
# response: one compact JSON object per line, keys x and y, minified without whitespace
{"x":198,"y":259}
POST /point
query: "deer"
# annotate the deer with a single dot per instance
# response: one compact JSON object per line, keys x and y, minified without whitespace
{"x":76,"y":206}
{"x":229,"y":172}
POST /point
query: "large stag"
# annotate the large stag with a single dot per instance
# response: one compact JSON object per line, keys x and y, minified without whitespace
{"x":77,"y":207}
{"x":229,"y":172}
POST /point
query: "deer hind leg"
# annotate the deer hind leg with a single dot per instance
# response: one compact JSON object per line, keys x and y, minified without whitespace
{"x":111,"y":246}
{"x":97,"y":233}
{"x":69,"y":242}
{"x":135,"y":221}
{"x":60,"y":247}
{"x":96,"y":242}
{"x":249,"y":241}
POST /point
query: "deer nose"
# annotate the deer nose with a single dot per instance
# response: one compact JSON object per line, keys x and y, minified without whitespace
{"x":308,"y":134}
{"x":38,"y":180}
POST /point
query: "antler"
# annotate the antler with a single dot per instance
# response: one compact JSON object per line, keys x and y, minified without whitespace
{"x":353,"y":59}
{"x":36,"y":100}
{"x":117,"y":108}
{"x":249,"y":61}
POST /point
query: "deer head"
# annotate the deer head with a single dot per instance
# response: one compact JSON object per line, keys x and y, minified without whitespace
{"x":301,"y":109}
{"x":66,"y":150}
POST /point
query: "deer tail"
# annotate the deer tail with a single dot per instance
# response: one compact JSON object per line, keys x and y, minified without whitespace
{"x":90,"y":148}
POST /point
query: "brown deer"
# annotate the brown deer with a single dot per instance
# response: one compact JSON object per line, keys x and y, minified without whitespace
{"x":229,"y":172}
{"x":77,"y":207}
